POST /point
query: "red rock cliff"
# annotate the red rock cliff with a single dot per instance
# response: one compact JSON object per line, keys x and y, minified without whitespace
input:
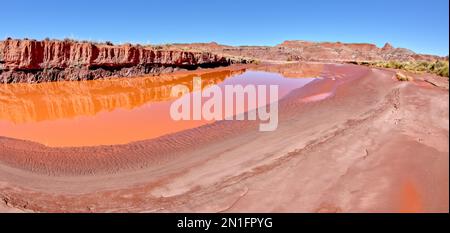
{"x":53,"y":60}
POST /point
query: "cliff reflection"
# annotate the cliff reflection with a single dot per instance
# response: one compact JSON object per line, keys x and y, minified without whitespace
{"x":26,"y":103}
{"x":113,"y":111}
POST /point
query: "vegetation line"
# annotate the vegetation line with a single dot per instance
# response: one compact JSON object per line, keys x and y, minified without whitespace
{"x":434,"y":67}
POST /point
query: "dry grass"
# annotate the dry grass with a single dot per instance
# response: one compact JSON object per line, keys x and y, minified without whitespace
{"x":402,"y":77}
{"x":436,"y":67}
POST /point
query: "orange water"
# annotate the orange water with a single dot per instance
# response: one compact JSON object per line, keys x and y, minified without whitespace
{"x":106,"y":112}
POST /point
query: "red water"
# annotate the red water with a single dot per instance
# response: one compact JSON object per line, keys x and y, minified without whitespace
{"x":106,"y":112}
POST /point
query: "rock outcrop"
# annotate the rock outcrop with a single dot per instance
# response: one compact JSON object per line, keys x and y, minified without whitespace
{"x":52,"y":60}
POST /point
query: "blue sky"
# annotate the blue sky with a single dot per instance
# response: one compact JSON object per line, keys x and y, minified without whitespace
{"x":418,"y":25}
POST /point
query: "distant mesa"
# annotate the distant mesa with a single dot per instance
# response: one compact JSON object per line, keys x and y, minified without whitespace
{"x":301,"y":50}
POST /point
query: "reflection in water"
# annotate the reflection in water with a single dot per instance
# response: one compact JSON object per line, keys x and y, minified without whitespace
{"x":113,"y":111}
{"x":23,"y":103}
{"x":295,"y":70}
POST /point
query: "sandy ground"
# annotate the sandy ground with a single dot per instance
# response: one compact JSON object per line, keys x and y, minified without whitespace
{"x":357,"y":140}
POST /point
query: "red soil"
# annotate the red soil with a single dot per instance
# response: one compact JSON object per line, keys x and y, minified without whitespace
{"x":375,"y":145}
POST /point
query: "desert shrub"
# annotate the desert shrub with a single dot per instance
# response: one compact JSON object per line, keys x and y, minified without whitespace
{"x":438,"y":67}
{"x":402,"y":77}
{"x":109,"y":43}
{"x":396,"y":65}
{"x":420,"y":66}
{"x":435,"y":67}
{"x":443,"y":71}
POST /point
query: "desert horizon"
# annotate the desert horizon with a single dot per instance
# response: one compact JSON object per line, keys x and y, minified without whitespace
{"x":307,"y":124}
{"x":96,"y":112}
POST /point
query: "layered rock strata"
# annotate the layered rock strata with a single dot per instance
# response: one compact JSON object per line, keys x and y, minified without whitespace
{"x":33,"y":61}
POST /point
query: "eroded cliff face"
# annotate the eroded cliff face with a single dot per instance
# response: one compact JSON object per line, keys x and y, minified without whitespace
{"x":33,"y":61}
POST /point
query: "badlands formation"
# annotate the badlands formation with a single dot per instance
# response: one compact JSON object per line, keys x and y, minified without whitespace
{"x":354,"y":140}
{"x":298,"y":50}
{"x":32,"y":61}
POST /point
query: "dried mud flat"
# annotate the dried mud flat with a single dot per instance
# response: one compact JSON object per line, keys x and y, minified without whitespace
{"x":357,"y":140}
